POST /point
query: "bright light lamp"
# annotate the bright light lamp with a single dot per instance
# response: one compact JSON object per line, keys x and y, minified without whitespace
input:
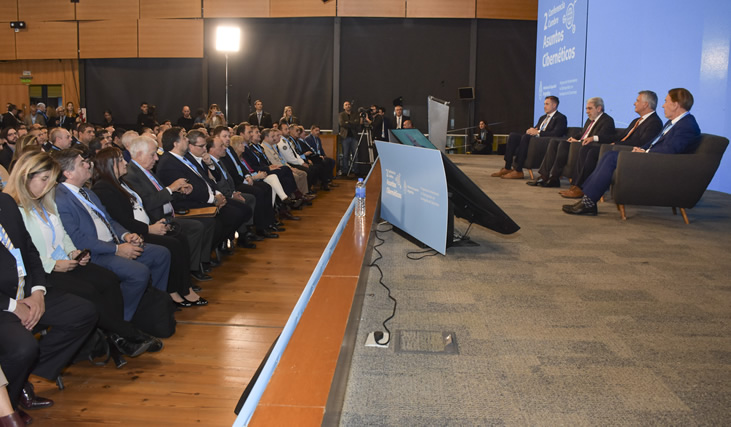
{"x":228,"y":39}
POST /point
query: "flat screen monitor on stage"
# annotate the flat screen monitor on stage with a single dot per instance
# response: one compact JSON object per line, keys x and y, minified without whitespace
{"x":466,"y":199}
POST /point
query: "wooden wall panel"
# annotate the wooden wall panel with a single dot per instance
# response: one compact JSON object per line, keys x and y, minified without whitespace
{"x":45,"y":72}
{"x":46,"y":10}
{"x":440,"y":9}
{"x":16,"y":94}
{"x":514,"y":9}
{"x":8,"y":11}
{"x":236,"y":8}
{"x":107,"y":9}
{"x":170,"y":38}
{"x":372,"y":8}
{"x":59,"y":40}
{"x":108,"y":39}
{"x":296,"y":8}
{"x":159,"y":9}
{"x":7,"y":42}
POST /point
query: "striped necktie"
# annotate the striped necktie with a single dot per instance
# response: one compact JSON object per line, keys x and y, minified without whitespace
{"x":101,"y":217}
{"x":5,"y":239}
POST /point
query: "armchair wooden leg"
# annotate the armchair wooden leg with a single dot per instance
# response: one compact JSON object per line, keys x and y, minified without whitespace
{"x":675,"y":211}
{"x":685,"y":216}
{"x":530,"y":171}
{"x":601,"y":199}
{"x":621,"y":212}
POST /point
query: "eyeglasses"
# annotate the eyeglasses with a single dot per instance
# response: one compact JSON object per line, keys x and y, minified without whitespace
{"x":199,"y":145}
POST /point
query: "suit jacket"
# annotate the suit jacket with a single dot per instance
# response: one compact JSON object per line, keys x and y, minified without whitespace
{"x":645,"y":132}
{"x":230,"y":161}
{"x":12,"y":222}
{"x":603,"y":128}
{"x":153,"y":199}
{"x":682,"y":138}
{"x":392,"y":122}
{"x":32,"y":224}
{"x":348,"y":122}
{"x":80,"y":225}
{"x":256,"y":160}
{"x":556,"y":127}
{"x":272,"y":155}
{"x":10,"y":120}
{"x":39,"y":120}
{"x":169,"y":169}
{"x":266,"y":120}
{"x":315,"y":145}
{"x":119,"y":207}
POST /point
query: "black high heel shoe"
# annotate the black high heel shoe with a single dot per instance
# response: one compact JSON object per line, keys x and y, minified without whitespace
{"x":199,"y":302}
{"x":184,"y":303}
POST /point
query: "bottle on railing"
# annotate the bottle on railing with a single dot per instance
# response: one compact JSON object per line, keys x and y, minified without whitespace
{"x":360,"y":195}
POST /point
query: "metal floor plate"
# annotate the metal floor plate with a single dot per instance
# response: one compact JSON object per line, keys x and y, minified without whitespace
{"x":428,"y":342}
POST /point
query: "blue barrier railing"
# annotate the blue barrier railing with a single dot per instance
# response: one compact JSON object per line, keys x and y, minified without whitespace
{"x":247,"y":411}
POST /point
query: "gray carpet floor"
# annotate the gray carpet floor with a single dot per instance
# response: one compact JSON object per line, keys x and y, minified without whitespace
{"x":569,"y":321}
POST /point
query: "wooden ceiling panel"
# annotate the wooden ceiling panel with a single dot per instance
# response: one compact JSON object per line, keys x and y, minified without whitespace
{"x":440,"y":9}
{"x":7,"y":42}
{"x":46,"y":10}
{"x":297,"y":8}
{"x":514,"y":9}
{"x":108,"y":39}
{"x":170,"y":38}
{"x":236,"y":8}
{"x":59,"y":41}
{"x":372,"y":8}
{"x":107,"y":9}
{"x":159,"y":9}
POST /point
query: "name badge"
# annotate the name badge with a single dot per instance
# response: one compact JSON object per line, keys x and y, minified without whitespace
{"x":19,"y":262}
{"x":59,"y":254}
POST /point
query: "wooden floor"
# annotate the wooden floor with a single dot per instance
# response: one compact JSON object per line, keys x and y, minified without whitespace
{"x":198,"y":377}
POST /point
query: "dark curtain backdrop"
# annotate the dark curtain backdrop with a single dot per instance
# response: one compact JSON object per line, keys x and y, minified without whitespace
{"x":122,"y":84}
{"x":289,"y":62}
{"x":382,"y":59}
{"x":506,"y":58}
{"x":282,"y":62}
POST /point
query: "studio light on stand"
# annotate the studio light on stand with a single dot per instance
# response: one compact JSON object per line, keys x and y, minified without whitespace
{"x":228,"y":40}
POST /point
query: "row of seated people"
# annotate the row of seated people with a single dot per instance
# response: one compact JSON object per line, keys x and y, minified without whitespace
{"x":591,"y":174}
{"x":123,"y":213}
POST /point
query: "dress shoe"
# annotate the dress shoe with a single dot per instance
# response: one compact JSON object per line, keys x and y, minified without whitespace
{"x":513,"y":175}
{"x":27,"y":419}
{"x":289,"y":216}
{"x":265,"y":234}
{"x":253,"y":237}
{"x":127,"y":347}
{"x":206,"y":267}
{"x":183,"y":304}
{"x":14,"y":420}
{"x":551,"y":183}
{"x":156,"y":345}
{"x":243,"y":243}
{"x":540,"y":182}
{"x":200,"y":276}
{"x":572,"y":193}
{"x":579,"y":208}
{"x":333,"y":184}
{"x":28,"y":399}
{"x":197,"y":303}
{"x":196,"y":288}
{"x":309,"y":196}
{"x":500,"y":173}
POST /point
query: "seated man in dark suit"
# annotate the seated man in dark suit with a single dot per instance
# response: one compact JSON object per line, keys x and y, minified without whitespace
{"x":599,"y":127}
{"x":26,"y":302}
{"x":177,"y":163}
{"x":315,"y":145}
{"x":680,"y":135}
{"x":90,"y":226}
{"x":639,"y":132}
{"x":157,"y":202}
{"x":553,"y":123}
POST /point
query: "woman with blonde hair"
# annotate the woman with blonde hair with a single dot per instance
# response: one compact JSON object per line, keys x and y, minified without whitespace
{"x":215,"y":117}
{"x":32,"y":186}
{"x":287,"y":116}
{"x":25,"y":144}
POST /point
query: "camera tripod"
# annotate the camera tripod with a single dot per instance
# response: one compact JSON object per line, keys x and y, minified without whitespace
{"x":367,"y":134}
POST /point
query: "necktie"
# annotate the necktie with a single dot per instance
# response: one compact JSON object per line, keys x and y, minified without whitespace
{"x":637,"y":123}
{"x":101,"y":217}
{"x":667,"y":127}
{"x":545,"y":123}
{"x":248,"y":168}
{"x":8,"y":244}
{"x":588,"y":129}
{"x":167,"y":207}
{"x":223,"y":171}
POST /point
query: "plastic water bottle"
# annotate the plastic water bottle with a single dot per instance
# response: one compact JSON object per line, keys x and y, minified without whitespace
{"x":360,"y":193}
